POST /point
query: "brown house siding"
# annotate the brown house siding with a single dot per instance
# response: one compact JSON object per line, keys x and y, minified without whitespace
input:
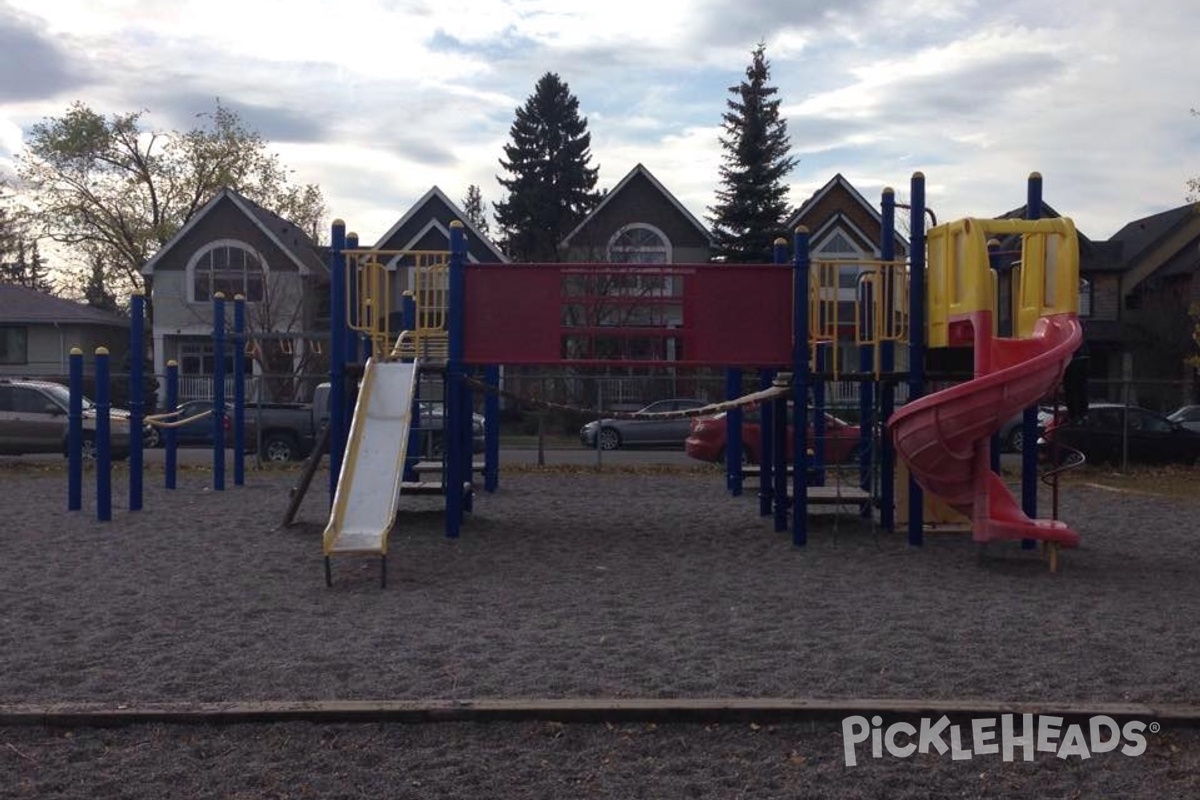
{"x":225,"y":221}
{"x":1106,"y":297}
{"x":639,"y":201}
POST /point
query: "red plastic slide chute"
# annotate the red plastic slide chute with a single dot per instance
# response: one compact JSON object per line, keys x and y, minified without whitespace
{"x":943,"y":437}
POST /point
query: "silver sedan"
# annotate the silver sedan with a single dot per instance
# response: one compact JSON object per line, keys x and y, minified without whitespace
{"x":616,"y":433}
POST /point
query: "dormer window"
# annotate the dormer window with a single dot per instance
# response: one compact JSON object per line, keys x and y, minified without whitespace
{"x":229,"y":267}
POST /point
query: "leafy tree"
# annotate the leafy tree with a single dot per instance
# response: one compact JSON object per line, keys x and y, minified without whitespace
{"x":113,"y":191}
{"x":474,"y":210}
{"x":752,"y":200}
{"x":552,"y":186}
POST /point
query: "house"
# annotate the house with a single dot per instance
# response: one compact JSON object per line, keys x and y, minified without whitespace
{"x":1150,"y":338}
{"x":235,"y":246}
{"x":38,"y":331}
{"x":845,"y":227}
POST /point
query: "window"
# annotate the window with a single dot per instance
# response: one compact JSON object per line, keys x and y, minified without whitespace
{"x":14,"y":345}
{"x":22,"y":400}
{"x":1085,"y":297}
{"x":229,"y":267}
{"x":639,"y":243}
{"x":199,"y":358}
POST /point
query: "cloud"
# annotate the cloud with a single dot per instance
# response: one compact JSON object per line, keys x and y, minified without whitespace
{"x":33,"y":64}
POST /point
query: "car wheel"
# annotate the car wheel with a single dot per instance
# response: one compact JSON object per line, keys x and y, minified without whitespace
{"x":747,"y":457}
{"x":152,"y":438}
{"x":278,"y":447}
{"x":854,"y":457}
{"x":88,"y":447}
{"x":610,"y":439}
{"x":1016,"y":440}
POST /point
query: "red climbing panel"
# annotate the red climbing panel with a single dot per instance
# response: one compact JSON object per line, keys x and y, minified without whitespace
{"x":645,"y":315}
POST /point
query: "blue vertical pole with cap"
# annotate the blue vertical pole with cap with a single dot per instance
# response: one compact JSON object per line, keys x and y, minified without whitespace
{"x":75,"y":433}
{"x":137,"y":350}
{"x":1029,"y":479}
{"x":218,"y":392}
{"x":733,"y":433}
{"x":887,"y":359}
{"x":491,"y":429}
{"x":778,"y":409}
{"x":801,"y":277}
{"x":337,"y":353}
{"x":103,"y":438}
{"x":916,"y":340}
{"x":239,"y":390}
{"x":170,"y":445}
{"x":455,"y":394}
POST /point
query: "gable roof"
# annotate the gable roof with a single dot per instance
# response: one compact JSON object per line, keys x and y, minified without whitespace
{"x":641,"y":170}
{"x":21,"y":305}
{"x":1093,"y":256}
{"x":423,"y":205}
{"x":838,"y":181}
{"x":1162,"y":244}
{"x":297,"y":245}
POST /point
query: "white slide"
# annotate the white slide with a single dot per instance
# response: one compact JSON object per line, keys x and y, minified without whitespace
{"x":368,"y":489}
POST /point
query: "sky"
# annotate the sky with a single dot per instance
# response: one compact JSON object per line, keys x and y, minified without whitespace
{"x":378,"y":100}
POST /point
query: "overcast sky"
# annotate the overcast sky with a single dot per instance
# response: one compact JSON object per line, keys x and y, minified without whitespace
{"x":377,"y":100}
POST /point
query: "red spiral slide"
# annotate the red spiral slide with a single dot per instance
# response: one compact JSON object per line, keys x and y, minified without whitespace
{"x":943,"y":437}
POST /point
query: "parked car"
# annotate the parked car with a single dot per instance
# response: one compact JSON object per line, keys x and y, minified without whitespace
{"x":33,"y":419}
{"x":706,"y":442}
{"x":1187,"y":416}
{"x":617,"y":433}
{"x":199,"y":432}
{"x":430,"y":423}
{"x":1109,"y":430}
{"x":1012,"y":433}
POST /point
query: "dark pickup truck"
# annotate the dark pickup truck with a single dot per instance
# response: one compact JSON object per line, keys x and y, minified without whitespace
{"x":288,"y":431}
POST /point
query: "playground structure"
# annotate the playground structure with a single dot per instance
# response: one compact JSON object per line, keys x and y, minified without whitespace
{"x":461,"y":316}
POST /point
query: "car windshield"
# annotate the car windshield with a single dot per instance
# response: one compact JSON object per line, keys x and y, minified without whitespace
{"x":63,"y":396}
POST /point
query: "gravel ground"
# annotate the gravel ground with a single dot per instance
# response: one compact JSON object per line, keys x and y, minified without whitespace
{"x":622,"y":585}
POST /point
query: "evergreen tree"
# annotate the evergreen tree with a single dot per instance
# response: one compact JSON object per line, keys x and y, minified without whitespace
{"x":95,"y":290}
{"x":752,"y":200}
{"x":38,"y":276}
{"x":552,"y":186}
{"x":473,"y":209}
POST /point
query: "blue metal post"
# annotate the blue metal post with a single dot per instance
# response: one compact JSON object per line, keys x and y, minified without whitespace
{"x":994,"y":261}
{"x":454,"y":380}
{"x":103,"y":438}
{"x":818,"y":414}
{"x":733,"y":433}
{"x":887,"y":364}
{"x":778,"y":409}
{"x":239,"y":390}
{"x":218,"y":392}
{"x":408,"y":312}
{"x":137,"y":352}
{"x":170,"y":446}
{"x":337,"y":354}
{"x":916,"y":340}
{"x":1029,"y":479}
{"x":766,"y":446}
{"x":491,"y":429}
{"x":75,"y":433}
{"x":802,"y":276}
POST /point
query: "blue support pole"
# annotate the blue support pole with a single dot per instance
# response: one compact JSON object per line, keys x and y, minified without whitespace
{"x":733,"y":433}
{"x":239,"y":390}
{"x":994,"y":262}
{"x":75,"y":433}
{"x":766,"y":446}
{"x":337,"y":354}
{"x":1029,"y":479}
{"x":491,"y":430}
{"x":801,"y":277}
{"x":408,"y":315}
{"x":170,"y":445}
{"x":779,"y":451}
{"x":218,"y":392}
{"x":454,"y":380}
{"x":103,"y":438}
{"x":137,"y":352}
{"x":818,"y":460}
{"x":887,"y":364}
{"x":916,"y":340}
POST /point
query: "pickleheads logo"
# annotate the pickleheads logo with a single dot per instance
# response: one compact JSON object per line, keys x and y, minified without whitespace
{"x":1006,"y":737}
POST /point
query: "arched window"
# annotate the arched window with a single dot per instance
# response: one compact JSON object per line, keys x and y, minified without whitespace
{"x":639,"y":243}
{"x":227,"y":266}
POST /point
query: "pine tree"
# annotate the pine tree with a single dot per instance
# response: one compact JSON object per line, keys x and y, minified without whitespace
{"x":38,"y":277}
{"x":473,"y":209}
{"x":552,"y":186}
{"x":752,"y":200}
{"x":95,"y":291}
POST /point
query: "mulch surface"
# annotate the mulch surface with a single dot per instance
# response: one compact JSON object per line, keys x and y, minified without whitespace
{"x":573,"y":585}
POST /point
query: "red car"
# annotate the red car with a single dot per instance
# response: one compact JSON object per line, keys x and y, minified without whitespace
{"x":706,"y":442}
